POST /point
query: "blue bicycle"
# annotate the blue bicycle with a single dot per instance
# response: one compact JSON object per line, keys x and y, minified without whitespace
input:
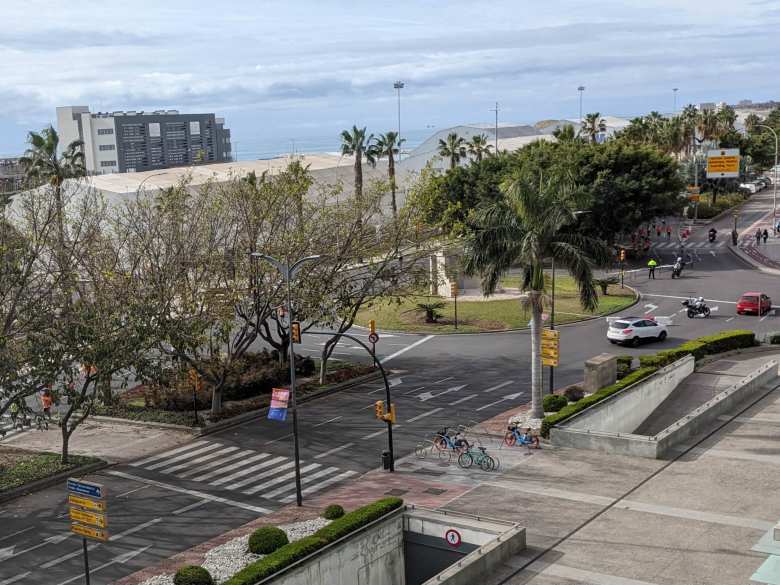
{"x":515,"y":437}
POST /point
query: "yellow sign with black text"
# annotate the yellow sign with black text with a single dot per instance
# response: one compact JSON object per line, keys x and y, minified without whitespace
{"x":723,"y":163}
{"x":86,"y":503}
{"x":89,"y":518}
{"x":550,"y":347}
{"x":88,"y":532}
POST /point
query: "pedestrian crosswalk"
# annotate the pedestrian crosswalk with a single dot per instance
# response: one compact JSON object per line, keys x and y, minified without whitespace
{"x":252,"y":473}
{"x":674,"y":245}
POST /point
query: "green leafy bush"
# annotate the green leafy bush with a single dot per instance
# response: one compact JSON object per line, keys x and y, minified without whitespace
{"x":624,"y":365}
{"x":267,"y":539}
{"x":722,"y":203}
{"x":574,"y":393}
{"x":295,"y":551}
{"x":549,"y":421}
{"x":192,"y":575}
{"x":702,"y":346}
{"x":332,"y":512}
{"x":554,"y":402}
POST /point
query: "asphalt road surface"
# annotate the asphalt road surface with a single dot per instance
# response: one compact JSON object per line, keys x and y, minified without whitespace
{"x":170,"y":501}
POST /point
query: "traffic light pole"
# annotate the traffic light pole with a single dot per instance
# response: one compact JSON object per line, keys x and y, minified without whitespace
{"x":384,"y":378}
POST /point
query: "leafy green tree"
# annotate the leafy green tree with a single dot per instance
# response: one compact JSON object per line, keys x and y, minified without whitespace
{"x":453,"y":148}
{"x":388,"y":145}
{"x":357,"y":143}
{"x":532,"y":222}
{"x":478,"y":146}
{"x":565,"y":133}
{"x":592,"y":126}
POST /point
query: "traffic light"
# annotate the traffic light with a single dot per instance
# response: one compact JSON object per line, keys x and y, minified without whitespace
{"x":622,"y":254}
{"x":390,"y":416}
{"x":379,"y":409}
{"x":295,"y":331}
{"x":372,"y":326}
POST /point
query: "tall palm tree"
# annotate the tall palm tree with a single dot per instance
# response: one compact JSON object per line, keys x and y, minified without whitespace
{"x":532,"y":222}
{"x":751,"y":122}
{"x":43,"y":165}
{"x":708,"y":125}
{"x":478,"y":146}
{"x":671,"y":136}
{"x":388,"y":144}
{"x":355,"y":143}
{"x":592,"y":126}
{"x":727,"y":117}
{"x":689,"y":117}
{"x":453,"y":148}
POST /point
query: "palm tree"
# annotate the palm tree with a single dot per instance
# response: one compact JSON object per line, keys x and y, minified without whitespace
{"x":689,"y":117}
{"x":592,"y":126}
{"x":532,"y":222}
{"x":42,"y":165}
{"x":708,"y":125}
{"x":727,"y":117}
{"x":478,"y":146}
{"x":388,"y":145}
{"x":453,"y":148}
{"x":355,"y":143}
{"x":751,"y":122}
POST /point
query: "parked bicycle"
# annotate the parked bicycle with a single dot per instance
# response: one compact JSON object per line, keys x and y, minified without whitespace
{"x":514,"y":436}
{"x":445,"y":439}
{"x":480,"y":457}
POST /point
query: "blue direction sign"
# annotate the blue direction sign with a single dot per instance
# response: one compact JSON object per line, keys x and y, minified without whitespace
{"x":86,"y":488}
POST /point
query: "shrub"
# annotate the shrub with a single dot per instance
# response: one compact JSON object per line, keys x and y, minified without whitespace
{"x":604,"y":283}
{"x":702,"y":346}
{"x":549,"y":421}
{"x":624,"y":366}
{"x":574,"y":393}
{"x":192,"y":575}
{"x":332,"y":512}
{"x":267,"y":539}
{"x":554,"y":402}
{"x":305,"y":367}
{"x":295,"y":551}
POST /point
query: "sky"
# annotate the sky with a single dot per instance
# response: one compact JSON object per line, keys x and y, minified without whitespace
{"x":303,"y":70}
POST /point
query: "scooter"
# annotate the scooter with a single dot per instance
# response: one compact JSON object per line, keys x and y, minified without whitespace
{"x":696,"y":308}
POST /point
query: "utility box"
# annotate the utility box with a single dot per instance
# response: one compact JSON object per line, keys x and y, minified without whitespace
{"x":600,"y":371}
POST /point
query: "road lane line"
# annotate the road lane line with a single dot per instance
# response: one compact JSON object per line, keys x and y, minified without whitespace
{"x":442,"y":380}
{"x":253,"y":478}
{"x":462,"y":400}
{"x":304,"y":480}
{"x":118,"y":560}
{"x":327,"y":421}
{"x":168,"y":453}
{"x":134,"y":529}
{"x":190,"y":507}
{"x":323,"y":484}
{"x":221,"y":454}
{"x":217,"y":463}
{"x":334,"y":450}
{"x":414,"y":390}
{"x":284,"y":477}
{"x":247,"y":471}
{"x":23,"y":530}
{"x":167,"y":461}
{"x":501,"y":385}
{"x":407,"y":348}
{"x":70,"y":555}
{"x":424,"y":414}
{"x":287,"y":436}
{"x":377,"y":433}
{"x":138,"y":489}
{"x":240,"y":464}
{"x":15,"y":578}
{"x":729,"y":319}
{"x":686,"y":298}
{"x":489,"y":405}
{"x":193,"y":493}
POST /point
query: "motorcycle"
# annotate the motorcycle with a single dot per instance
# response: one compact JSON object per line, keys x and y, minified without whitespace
{"x":712,"y":235}
{"x":677,"y":268}
{"x":696,"y":307}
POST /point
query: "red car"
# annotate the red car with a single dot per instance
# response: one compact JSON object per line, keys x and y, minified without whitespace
{"x":748,"y":303}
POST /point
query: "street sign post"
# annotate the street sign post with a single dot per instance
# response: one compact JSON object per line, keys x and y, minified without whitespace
{"x":550,"y":347}
{"x":88,"y":513}
{"x":454,"y":294}
{"x":723,"y":163}
{"x":278,"y":407}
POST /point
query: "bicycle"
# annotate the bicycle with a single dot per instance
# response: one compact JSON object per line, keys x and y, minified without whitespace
{"x":480,"y":457}
{"x":513,"y":437}
{"x":444,"y":441}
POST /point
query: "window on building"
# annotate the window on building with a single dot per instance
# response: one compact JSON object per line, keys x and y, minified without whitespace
{"x":108,"y":163}
{"x":105,"y":131}
{"x":107,"y":147}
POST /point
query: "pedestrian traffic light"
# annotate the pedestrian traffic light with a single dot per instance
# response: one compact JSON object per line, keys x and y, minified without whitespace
{"x":295,"y":331}
{"x":379,"y":409}
{"x":372,"y":326}
{"x":622,"y":254}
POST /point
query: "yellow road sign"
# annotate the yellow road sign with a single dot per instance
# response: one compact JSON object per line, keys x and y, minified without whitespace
{"x":550,"y":333}
{"x":86,"y":503}
{"x":90,"y":518}
{"x":723,"y":163}
{"x":95,"y":533}
{"x":550,"y":361}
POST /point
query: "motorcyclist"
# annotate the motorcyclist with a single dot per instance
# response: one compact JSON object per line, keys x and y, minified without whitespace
{"x":678,"y":267}
{"x":713,"y":233}
{"x":699,"y":302}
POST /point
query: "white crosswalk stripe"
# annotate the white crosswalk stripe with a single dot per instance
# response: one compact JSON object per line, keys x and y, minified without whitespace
{"x":226,"y":467}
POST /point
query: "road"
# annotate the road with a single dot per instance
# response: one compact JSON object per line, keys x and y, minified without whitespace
{"x":173,"y":500}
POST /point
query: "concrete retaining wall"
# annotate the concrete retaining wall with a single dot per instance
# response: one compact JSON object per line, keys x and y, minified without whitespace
{"x":724,"y":403}
{"x":624,"y":411}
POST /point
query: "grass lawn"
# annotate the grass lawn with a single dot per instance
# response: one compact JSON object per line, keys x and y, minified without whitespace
{"x":476,"y":316}
{"x":19,"y":467}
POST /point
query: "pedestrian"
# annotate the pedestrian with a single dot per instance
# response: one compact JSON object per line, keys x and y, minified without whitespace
{"x":646,"y":246}
{"x":651,"y":268}
{"x":46,"y":402}
{"x":777,"y":227}
{"x":14,"y":409}
{"x":765,"y":235}
{"x":668,"y":232}
{"x":734,"y":237}
{"x":758,"y":236}
{"x":658,"y":231}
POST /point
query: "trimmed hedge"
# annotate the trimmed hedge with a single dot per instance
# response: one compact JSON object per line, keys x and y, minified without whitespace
{"x":701,"y":347}
{"x":192,"y":575}
{"x":267,"y":539}
{"x":333,"y":512}
{"x":549,"y":421}
{"x":295,"y":551}
{"x":554,"y":402}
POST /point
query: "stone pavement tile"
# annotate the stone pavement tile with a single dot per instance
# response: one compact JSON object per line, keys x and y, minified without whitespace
{"x":114,"y":442}
{"x":663,"y":550}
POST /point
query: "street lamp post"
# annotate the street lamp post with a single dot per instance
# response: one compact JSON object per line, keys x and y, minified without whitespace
{"x":289,"y":272}
{"x":399,"y":85}
{"x":581,"y":89}
{"x":674,"y":109}
{"x":774,"y":180}
{"x":552,"y":323}
{"x":495,"y":110}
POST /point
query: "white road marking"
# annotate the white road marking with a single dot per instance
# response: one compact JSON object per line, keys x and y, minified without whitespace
{"x":334,"y":450}
{"x":187,"y":447}
{"x":190,"y":507}
{"x":9,"y":552}
{"x":729,"y":319}
{"x":208,"y":457}
{"x":23,"y":530}
{"x":514,"y":396}
{"x":651,"y":307}
{"x":225,"y":469}
{"x":414,"y":390}
{"x":686,"y":298}
{"x":14,"y":579}
{"x":407,"y":348}
{"x":283,"y":437}
{"x":377,"y":433}
{"x":442,"y":380}
{"x":134,"y":529}
{"x":65,"y":557}
{"x":327,"y":421}
{"x":252,"y":478}
{"x":424,"y":414}
{"x":284,"y":477}
{"x":428,"y":395}
{"x":218,"y":463}
{"x":321,"y":485}
{"x":462,"y":400}
{"x":119,"y":560}
{"x":713,"y":253}
{"x":501,"y":385}
{"x":165,"y":462}
{"x":247,"y":470}
{"x":764,"y":317}
{"x":304,"y":480}
{"x":138,"y":489}
{"x":193,"y":493}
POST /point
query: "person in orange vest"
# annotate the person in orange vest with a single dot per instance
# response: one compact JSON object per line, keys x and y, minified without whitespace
{"x":46,"y":401}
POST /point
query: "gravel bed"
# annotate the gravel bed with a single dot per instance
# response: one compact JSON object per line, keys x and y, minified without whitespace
{"x":227,"y":559}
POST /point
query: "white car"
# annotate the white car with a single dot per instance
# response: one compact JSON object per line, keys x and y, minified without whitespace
{"x":635,"y":330}
{"x":749,"y":187}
